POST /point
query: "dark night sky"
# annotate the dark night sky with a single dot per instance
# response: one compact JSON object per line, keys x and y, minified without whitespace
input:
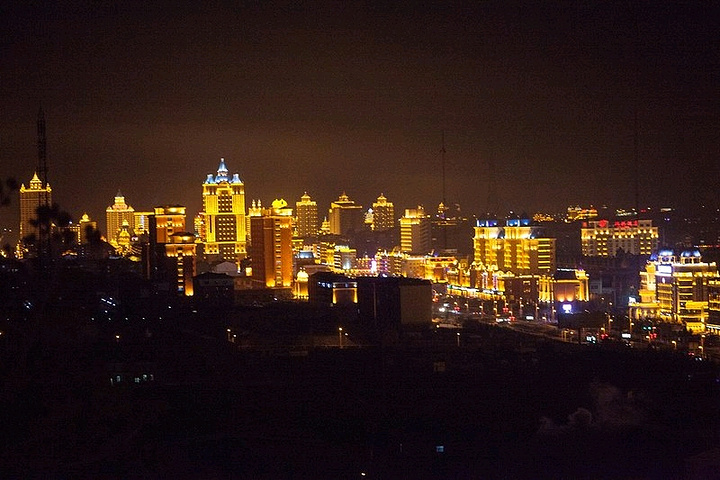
{"x":147,"y":96}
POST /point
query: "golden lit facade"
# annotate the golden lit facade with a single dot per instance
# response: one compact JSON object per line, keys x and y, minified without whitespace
{"x":142,"y":222}
{"x":306,"y":224}
{"x":383,"y":214}
{"x":30,"y":198}
{"x":415,"y":231}
{"x":681,"y":292}
{"x":603,"y":238}
{"x":271,"y":247}
{"x":225,"y":232}
{"x":565,"y":286}
{"x":513,"y":247}
{"x":115,"y":215}
{"x":169,"y":220}
{"x":182,"y":249}
{"x":345,"y":216}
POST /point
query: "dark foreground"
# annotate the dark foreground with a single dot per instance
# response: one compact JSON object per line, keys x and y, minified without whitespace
{"x":500,"y":406}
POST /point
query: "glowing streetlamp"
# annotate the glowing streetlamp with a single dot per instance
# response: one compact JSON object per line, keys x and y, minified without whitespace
{"x":340,"y":335}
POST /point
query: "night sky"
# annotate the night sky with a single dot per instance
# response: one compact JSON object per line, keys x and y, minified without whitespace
{"x":146,"y":97}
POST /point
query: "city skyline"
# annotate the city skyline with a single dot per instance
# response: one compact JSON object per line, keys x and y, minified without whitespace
{"x":335,"y":98}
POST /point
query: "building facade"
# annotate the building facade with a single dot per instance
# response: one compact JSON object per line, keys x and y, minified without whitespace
{"x":224,"y":225}
{"x":32,"y":196}
{"x":271,"y":248}
{"x":513,"y":247}
{"x":345,"y":216}
{"x":115,"y":215}
{"x":415,"y":231}
{"x":603,"y":238}
{"x":306,"y":224}
{"x":383,"y":216}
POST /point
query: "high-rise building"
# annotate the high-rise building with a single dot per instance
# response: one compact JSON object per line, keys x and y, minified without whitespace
{"x":675,"y":289}
{"x":225,"y":229}
{"x":307,"y":217}
{"x":172,"y":251}
{"x":603,"y":238}
{"x":271,"y":247}
{"x":115,"y":215}
{"x":30,"y":198}
{"x":415,"y":233}
{"x":345,"y":216}
{"x":514,"y":247}
{"x":383,"y":214}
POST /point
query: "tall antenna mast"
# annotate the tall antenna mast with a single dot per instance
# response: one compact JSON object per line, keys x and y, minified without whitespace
{"x":635,"y":120}
{"x":42,"y":170}
{"x":442,"y":153}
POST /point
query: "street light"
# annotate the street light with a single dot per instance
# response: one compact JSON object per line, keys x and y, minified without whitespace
{"x":458,"y":339}
{"x":340,"y":335}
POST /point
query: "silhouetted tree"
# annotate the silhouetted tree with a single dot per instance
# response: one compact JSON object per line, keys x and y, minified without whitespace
{"x":7,"y":188}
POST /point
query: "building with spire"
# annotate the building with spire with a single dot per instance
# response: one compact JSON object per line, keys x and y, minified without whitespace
{"x":224,"y":233}
{"x":115,"y":215}
{"x":32,"y":196}
{"x":307,"y":217}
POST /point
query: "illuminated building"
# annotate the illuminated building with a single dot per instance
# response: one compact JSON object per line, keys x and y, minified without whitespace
{"x":142,"y":222}
{"x":680,"y":287}
{"x":329,"y":288}
{"x":30,"y":198}
{"x":345,"y":216}
{"x":307,"y":217}
{"x":566,"y":290}
{"x":415,"y":235}
{"x":344,"y":258}
{"x":603,"y":238}
{"x":172,"y":251}
{"x":383,"y":214}
{"x":713,"y":321}
{"x":513,"y":247}
{"x":115,"y":215}
{"x":577,"y":213}
{"x":180,"y":250}
{"x":301,"y":285}
{"x":224,"y":215}
{"x":80,"y":229}
{"x":271,"y":247}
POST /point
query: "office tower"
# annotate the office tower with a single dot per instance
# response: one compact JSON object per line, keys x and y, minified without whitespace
{"x":345,"y":216}
{"x":30,"y":198}
{"x":307,"y":217}
{"x":603,"y":238}
{"x":115,"y":215}
{"x":271,"y":247}
{"x":225,"y":230}
{"x":415,"y":235}
{"x":383,"y":214}
{"x":514,"y":247}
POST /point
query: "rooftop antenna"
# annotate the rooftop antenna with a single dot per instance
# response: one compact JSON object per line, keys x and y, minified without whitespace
{"x":42,"y":172}
{"x":636,"y":154}
{"x":444,"y":200}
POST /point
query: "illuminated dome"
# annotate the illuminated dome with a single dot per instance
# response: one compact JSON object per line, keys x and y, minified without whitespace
{"x":665,"y":252}
{"x":694,"y":253}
